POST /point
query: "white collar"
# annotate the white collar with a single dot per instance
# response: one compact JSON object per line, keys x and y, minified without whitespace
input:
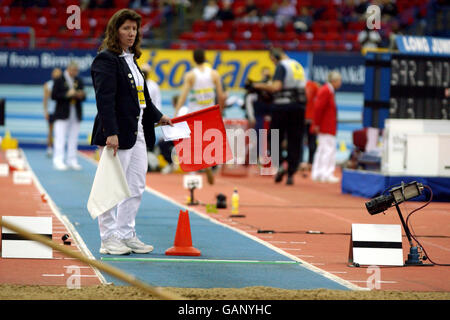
{"x":68,"y":78}
{"x":126,"y":54}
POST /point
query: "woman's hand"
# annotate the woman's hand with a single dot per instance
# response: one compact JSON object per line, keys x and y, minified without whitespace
{"x":113,"y":142}
{"x":165,"y":120}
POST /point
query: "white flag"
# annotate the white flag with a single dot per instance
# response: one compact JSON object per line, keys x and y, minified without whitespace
{"x":109,"y":187}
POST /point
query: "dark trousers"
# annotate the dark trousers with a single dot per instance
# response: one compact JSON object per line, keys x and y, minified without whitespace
{"x":312,"y":142}
{"x":290,"y":124}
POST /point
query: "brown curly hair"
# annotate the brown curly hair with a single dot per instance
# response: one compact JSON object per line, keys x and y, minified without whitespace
{"x":111,"y":41}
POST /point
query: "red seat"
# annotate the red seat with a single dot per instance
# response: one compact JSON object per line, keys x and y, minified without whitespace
{"x":199,"y":25}
{"x":316,"y":46}
{"x":187,"y":35}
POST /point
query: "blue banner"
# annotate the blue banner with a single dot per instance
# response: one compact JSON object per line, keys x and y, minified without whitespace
{"x":423,"y":45}
{"x":350,"y":65}
{"x":35,"y":66}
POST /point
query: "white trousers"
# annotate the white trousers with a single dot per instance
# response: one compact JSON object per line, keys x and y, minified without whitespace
{"x":120,"y":220}
{"x":324,"y":161}
{"x":66,"y":132}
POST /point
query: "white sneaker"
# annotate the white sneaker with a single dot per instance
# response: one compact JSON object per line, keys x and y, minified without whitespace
{"x":59,"y":166}
{"x":75,"y":166}
{"x":112,"y":245}
{"x":136,"y":245}
{"x":167,"y":169}
{"x":332,"y":179}
{"x":49,"y":152}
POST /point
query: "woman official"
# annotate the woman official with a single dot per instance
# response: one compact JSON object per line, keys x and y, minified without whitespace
{"x":124,"y":122}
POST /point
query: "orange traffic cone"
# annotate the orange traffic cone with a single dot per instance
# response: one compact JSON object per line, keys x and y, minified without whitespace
{"x":183,"y":240}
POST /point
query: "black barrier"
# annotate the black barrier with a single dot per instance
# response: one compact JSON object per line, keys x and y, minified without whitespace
{"x":2,"y":112}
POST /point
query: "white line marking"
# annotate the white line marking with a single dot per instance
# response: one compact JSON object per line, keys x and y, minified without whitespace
{"x":379,"y":281}
{"x":81,"y":267}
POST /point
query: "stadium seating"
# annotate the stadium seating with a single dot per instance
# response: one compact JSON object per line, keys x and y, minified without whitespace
{"x":327,"y":30}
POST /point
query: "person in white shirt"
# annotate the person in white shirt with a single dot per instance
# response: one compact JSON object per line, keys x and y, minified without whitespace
{"x":202,"y":86}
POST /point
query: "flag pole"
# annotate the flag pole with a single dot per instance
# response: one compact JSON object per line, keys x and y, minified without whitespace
{"x":115,"y":272}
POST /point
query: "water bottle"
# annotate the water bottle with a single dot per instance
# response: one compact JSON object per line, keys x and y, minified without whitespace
{"x":235,"y":202}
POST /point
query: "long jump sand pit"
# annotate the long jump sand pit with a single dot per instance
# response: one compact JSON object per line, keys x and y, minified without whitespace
{"x":112,"y":292}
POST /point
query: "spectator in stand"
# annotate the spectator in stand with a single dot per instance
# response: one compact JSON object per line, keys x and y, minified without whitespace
{"x":167,"y":9}
{"x":347,"y":13}
{"x":24,"y":3}
{"x":285,"y":13}
{"x":226,"y":12}
{"x":369,"y":38}
{"x":104,"y":4}
{"x":389,"y":10}
{"x":361,"y":7}
{"x":210,"y":11}
{"x":251,"y":12}
{"x":139,"y":4}
{"x":304,"y":21}
{"x":269,"y":15}
{"x":325,"y":126}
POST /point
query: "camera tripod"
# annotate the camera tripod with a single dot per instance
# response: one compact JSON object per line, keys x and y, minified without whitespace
{"x":413,"y":255}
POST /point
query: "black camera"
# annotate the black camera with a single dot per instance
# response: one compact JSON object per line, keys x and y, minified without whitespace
{"x":379,"y":204}
{"x":396,"y":196}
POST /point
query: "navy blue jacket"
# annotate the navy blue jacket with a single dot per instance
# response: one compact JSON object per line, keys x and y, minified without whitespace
{"x":117,"y":103}
{"x":59,"y":93}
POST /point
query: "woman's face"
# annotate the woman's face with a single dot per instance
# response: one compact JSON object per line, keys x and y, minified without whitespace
{"x":127,"y":34}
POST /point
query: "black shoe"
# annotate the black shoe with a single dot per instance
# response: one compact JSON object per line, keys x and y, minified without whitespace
{"x":290,"y":180}
{"x":279,"y":175}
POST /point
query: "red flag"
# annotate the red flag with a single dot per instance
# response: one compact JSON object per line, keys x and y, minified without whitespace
{"x":208,"y":145}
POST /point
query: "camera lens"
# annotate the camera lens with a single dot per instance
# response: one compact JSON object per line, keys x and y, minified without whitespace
{"x":379,"y":204}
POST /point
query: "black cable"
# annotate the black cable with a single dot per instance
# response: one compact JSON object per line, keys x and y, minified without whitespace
{"x":413,"y":233}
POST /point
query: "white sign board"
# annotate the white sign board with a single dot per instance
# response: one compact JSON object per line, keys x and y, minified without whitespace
{"x":18,"y":163}
{"x":12,"y":153}
{"x":4,"y":169}
{"x":376,"y":244}
{"x":22,"y":177}
{"x":16,"y":246}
